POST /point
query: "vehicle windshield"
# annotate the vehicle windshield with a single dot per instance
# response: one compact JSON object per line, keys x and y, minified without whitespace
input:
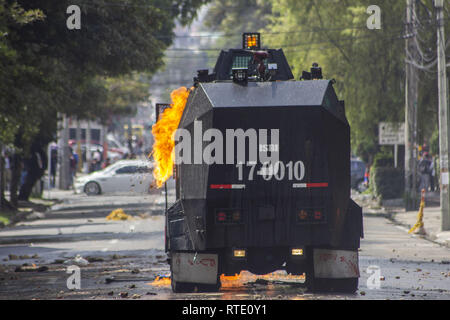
{"x":111,"y":167}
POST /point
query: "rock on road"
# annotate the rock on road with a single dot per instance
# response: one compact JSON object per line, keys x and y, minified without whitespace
{"x":121,"y":259}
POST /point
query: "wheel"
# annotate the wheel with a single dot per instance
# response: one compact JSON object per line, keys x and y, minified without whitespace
{"x":182,"y":287}
{"x":209,"y":287}
{"x":92,"y":188}
{"x":324,"y":285}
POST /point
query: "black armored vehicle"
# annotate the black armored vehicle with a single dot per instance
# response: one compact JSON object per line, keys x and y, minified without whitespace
{"x":267,"y":184}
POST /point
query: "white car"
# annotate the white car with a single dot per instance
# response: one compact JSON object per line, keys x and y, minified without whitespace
{"x":122,"y":176}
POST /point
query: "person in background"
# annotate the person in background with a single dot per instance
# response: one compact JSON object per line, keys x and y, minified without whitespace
{"x":24,"y":172}
{"x":366,"y":176}
{"x":97,"y":160}
{"x":93,"y":166}
{"x":424,"y":171}
{"x":106,"y":163}
{"x":432,"y":174}
{"x":7,"y":171}
{"x":73,"y":165}
{"x":53,"y":164}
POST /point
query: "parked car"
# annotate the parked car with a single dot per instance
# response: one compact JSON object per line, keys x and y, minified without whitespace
{"x":358,"y":168}
{"x":122,"y":176}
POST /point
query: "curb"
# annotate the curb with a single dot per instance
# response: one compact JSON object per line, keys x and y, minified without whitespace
{"x":62,"y":207}
{"x":427,"y":236}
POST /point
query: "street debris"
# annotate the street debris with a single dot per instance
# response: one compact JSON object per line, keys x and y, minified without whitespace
{"x":111,"y":279}
{"x":22,"y":257}
{"x":94,"y":259}
{"x":58,"y":261}
{"x":123,"y":294}
{"x":118,"y":215}
{"x":78,"y":260}
{"x":26,"y":268}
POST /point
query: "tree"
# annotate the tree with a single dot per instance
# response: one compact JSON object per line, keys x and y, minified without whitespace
{"x":367,"y":64}
{"x":55,"y":69}
{"x":10,"y":67}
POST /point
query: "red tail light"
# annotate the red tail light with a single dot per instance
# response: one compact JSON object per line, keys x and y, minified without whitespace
{"x":318,"y":215}
{"x":228,"y":216}
{"x":221,"y":216}
{"x":310,"y":215}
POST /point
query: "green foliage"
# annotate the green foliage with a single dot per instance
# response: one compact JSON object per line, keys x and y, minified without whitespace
{"x":387,"y":182}
{"x":383,"y":159}
{"x":434,"y":142}
{"x":233,"y":18}
{"x":367,"y":64}
{"x":95,"y":72}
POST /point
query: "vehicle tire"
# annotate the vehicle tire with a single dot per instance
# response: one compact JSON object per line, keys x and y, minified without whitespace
{"x":92,"y":188}
{"x":209,"y":287}
{"x":323,"y":285}
{"x":182,"y":287}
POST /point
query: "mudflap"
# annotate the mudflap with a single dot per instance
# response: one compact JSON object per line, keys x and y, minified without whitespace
{"x":333,"y":270}
{"x":335,"y":264}
{"x":198,"y":268}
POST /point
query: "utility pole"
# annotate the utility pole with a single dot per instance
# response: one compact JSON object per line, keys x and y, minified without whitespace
{"x":78,"y":151}
{"x":411,"y":97}
{"x":88,"y":147}
{"x":443,"y":116}
{"x":63,"y":153}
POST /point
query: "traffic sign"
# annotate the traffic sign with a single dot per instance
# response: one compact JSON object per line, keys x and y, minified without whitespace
{"x":390,"y":133}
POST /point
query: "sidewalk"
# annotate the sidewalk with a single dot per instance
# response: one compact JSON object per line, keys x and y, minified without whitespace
{"x":431,"y":219}
{"x":395,"y":211}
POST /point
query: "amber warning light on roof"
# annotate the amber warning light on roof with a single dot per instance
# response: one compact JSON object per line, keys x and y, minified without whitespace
{"x":251,"y":41}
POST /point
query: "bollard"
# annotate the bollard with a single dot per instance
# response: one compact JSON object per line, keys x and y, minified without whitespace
{"x":419,"y":224}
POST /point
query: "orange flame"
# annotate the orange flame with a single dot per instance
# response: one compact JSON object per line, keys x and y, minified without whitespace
{"x":239,"y":279}
{"x":163,"y":131}
{"x":161,"y":282}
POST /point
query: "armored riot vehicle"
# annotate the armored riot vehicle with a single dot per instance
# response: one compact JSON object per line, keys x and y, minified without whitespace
{"x":266,"y":185}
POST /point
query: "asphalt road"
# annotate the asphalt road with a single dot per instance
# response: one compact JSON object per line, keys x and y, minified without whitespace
{"x":125,"y":257}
